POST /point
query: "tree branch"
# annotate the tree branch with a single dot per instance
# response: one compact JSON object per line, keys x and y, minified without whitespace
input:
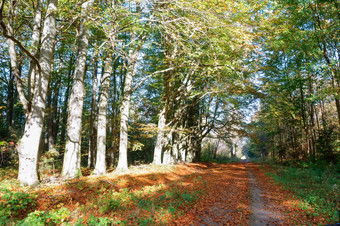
{"x":6,"y":35}
{"x":149,"y":76}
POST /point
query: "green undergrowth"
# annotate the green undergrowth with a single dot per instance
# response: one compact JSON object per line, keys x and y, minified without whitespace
{"x":8,"y":177}
{"x":317,"y":186}
{"x":157,"y":204}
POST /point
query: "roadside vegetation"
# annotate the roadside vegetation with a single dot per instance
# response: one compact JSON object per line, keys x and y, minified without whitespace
{"x":316,"y":186}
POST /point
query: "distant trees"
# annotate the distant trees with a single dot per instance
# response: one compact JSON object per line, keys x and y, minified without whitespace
{"x":299,"y":117}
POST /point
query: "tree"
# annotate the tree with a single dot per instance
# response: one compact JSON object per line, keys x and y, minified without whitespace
{"x":100,"y":167}
{"x":71,"y":164}
{"x":34,"y":111}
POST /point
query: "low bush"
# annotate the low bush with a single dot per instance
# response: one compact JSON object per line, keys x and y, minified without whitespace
{"x":13,"y":204}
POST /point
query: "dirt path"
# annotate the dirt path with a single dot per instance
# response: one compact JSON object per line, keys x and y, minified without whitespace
{"x":262,"y":211}
{"x":226,"y":198}
{"x":238,"y":195}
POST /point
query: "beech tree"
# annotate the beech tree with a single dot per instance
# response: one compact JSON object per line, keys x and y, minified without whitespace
{"x":299,"y":115}
{"x":163,"y":77}
{"x":34,"y":110}
{"x":100,"y":167}
{"x":71,"y":164}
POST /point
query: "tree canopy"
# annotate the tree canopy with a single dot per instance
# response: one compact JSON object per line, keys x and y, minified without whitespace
{"x":106,"y":84}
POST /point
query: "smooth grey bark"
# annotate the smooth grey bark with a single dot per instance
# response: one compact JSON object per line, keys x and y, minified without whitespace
{"x":170,"y":153}
{"x":124,"y":117}
{"x":13,"y":59}
{"x":93,"y":129}
{"x":124,"y":110}
{"x":181,"y":145}
{"x":29,"y":143}
{"x":160,"y":140}
{"x":176,"y":98}
{"x":71,"y":163}
{"x":102,"y":112}
{"x":32,"y":71}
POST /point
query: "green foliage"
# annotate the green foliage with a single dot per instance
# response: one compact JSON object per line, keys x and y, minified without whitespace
{"x":34,"y":218}
{"x":8,"y":153}
{"x":57,"y":216}
{"x":8,"y":176}
{"x":47,"y":162}
{"x":317,"y":187}
{"x":114,"y":204}
{"x":53,"y":217}
{"x":5,"y":214}
{"x":298,"y":74}
{"x":102,"y":221}
{"x":155,"y":199}
{"x":145,"y":221}
{"x":14,"y":203}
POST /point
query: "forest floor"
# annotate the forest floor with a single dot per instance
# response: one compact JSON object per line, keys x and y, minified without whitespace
{"x":184,"y":194}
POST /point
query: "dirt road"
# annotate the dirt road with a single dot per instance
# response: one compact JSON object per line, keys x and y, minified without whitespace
{"x":239,"y":194}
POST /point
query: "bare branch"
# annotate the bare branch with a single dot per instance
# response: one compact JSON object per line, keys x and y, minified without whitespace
{"x":149,"y":76}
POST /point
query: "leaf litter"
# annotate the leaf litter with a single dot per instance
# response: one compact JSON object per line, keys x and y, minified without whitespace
{"x":184,"y":194}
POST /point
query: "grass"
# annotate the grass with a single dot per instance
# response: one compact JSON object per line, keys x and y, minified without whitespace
{"x":318,"y":188}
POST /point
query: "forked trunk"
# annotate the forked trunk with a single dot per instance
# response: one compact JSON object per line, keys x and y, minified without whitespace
{"x":29,"y":144}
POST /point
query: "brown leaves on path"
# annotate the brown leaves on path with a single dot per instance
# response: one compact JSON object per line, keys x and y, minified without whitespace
{"x":226,"y":197}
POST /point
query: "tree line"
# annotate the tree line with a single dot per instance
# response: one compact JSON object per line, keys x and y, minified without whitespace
{"x":299,"y":68}
{"x":108,"y":81}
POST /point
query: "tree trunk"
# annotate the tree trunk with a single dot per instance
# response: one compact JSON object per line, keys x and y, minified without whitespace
{"x":72,"y":156}
{"x":113,"y":137}
{"x":48,"y":122}
{"x":102,"y":110}
{"x":157,"y":157}
{"x":93,"y":129}
{"x":56,"y":115}
{"x":10,"y":102}
{"x":181,"y":146}
{"x":124,"y":110}
{"x":66,"y":97}
{"x":32,"y":70}
{"x":124,"y":117}
{"x":29,"y":144}
{"x":13,"y":59}
{"x":313,"y":154}
{"x":53,"y":116}
{"x":194,"y":142}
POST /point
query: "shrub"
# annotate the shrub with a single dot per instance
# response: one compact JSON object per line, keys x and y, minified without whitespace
{"x":35,"y":218}
{"x":14,"y":203}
